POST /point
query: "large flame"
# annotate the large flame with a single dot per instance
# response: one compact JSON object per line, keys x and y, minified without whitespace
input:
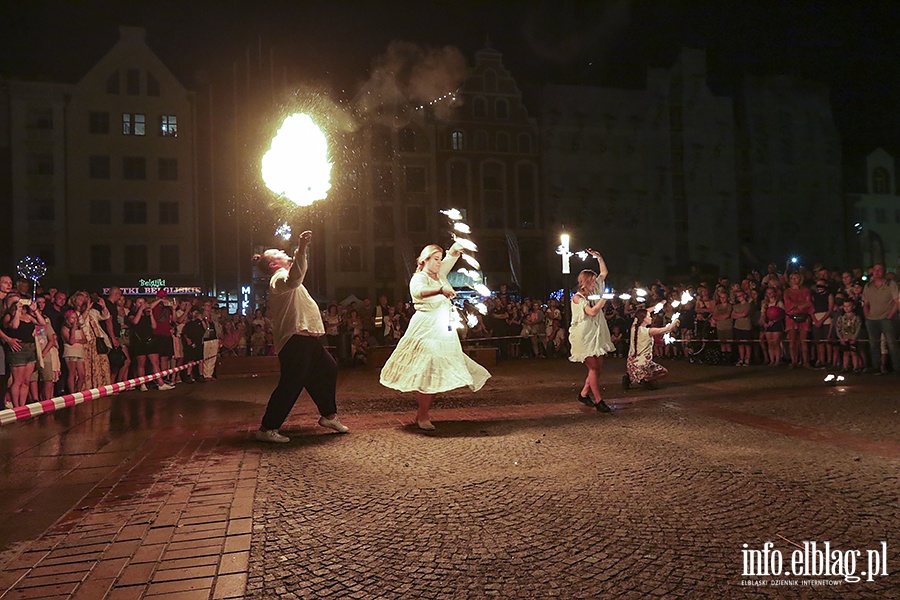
{"x":296,"y":166}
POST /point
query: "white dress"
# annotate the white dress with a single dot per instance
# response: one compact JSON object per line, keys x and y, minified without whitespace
{"x":588,"y":336}
{"x":429,"y":358}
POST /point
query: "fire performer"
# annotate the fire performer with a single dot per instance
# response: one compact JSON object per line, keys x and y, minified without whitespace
{"x":589,"y":334}
{"x":297,"y":326}
{"x":429,"y":359}
{"x":640,"y":367}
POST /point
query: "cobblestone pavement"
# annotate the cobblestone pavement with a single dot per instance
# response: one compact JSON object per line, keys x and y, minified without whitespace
{"x":520,"y":493}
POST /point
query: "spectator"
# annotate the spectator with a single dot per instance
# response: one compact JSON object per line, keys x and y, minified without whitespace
{"x":96,"y":364}
{"x":772,"y":317}
{"x":823,"y":307}
{"x":19,"y":322}
{"x":740,"y":312}
{"x":798,"y":307}
{"x":73,"y":351}
{"x":880,"y":302}
{"x":141,"y":323}
{"x":47,"y":371}
{"x":192,"y":343}
{"x":721,"y":319}
{"x":162,"y":347}
{"x":848,"y":326}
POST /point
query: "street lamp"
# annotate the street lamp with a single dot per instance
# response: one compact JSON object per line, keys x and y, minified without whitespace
{"x":564,"y":252}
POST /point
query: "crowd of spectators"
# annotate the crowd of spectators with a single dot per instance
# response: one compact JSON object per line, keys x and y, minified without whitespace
{"x":802,"y":318}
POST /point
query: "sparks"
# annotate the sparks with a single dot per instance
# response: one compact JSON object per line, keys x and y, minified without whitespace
{"x":640,"y":292}
{"x":296,"y":165}
{"x":624,"y":296}
{"x":668,"y":339}
{"x":453,"y":214}
{"x":462,"y":227}
{"x":472,"y":320}
{"x":608,"y":296}
{"x":594,"y":297}
{"x":686,"y":297}
{"x":480,"y":307}
{"x":582,"y":254}
{"x":658,"y":307}
{"x":283,"y":231}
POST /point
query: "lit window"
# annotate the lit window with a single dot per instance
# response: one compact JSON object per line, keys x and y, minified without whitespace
{"x":168,"y":126}
{"x":458,"y":140}
{"x":134,"y":124}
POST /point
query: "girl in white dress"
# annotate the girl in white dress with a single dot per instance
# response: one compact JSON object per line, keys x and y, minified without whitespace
{"x":589,"y":335}
{"x":429,"y":359}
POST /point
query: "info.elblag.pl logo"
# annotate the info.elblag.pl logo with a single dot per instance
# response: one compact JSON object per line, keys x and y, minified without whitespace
{"x":813,"y":559}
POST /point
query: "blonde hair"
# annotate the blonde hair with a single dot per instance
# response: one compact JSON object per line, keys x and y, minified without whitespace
{"x":425,"y":254}
{"x":587,"y":282}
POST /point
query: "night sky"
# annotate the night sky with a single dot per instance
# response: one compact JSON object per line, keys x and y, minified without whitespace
{"x":853,"y":47}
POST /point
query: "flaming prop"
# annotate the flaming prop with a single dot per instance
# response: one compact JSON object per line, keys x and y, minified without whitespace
{"x":460,"y":229}
{"x":284,"y":232}
{"x":296,"y":165}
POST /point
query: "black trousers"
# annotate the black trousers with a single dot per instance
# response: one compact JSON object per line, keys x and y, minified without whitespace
{"x":305,"y":363}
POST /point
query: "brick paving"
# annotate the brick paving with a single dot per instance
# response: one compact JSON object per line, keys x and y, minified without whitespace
{"x":520,"y":493}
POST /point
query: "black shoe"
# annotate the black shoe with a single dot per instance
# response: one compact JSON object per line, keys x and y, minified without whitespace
{"x":626,"y":382}
{"x":586,"y":400}
{"x":602,"y":407}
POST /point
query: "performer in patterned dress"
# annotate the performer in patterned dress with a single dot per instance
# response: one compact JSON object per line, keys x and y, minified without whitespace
{"x":640,"y":367}
{"x":589,"y":335}
{"x":429,"y":359}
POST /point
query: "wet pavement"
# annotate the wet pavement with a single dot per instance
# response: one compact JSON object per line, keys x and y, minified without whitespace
{"x":521,"y":491}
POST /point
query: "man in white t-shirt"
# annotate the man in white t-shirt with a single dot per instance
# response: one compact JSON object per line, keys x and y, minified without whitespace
{"x":296,"y":328}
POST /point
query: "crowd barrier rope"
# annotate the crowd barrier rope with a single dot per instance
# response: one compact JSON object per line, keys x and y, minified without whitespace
{"x":11,"y":415}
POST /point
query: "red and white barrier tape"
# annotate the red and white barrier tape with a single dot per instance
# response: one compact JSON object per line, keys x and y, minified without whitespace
{"x":34,"y":409}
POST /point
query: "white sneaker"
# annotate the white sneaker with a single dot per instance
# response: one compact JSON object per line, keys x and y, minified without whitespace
{"x":271,"y":436}
{"x":333,"y":424}
{"x":165,"y":386}
{"x":143,"y":387}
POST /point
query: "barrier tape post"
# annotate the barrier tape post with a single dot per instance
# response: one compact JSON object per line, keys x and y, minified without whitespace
{"x":11,"y":415}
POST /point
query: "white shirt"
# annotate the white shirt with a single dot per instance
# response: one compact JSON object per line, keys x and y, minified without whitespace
{"x":294,"y":312}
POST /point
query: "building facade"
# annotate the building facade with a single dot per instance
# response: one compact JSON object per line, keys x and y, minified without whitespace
{"x":790,"y":176}
{"x":103,"y":170}
{"x":409,"y":162}
{"x":875,"y":214}
{"x":644,"y":176}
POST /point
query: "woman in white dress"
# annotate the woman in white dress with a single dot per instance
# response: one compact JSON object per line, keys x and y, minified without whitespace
{"x":429,"y":359}
{"x":589,"y":335}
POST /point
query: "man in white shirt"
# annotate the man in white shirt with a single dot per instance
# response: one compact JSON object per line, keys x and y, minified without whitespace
{"x":296,"y":327}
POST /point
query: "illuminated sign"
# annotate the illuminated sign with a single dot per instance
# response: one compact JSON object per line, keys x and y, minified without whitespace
{"x":245,"y":299}
{"x":143,"y":290}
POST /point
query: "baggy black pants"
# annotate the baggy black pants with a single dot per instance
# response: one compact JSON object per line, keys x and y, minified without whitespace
{"x":305,"y":363}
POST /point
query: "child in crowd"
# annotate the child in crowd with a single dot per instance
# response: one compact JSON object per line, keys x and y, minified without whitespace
{"x":73,"y":351}
{"x":848,"y":326}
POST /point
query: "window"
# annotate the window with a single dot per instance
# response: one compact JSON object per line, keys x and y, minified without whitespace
{"x":458,"y":140}
{"x":491,"y":178}
{"x":407,"y":140}
{"x":168,"y":169}
{"x":502,"y":142}
{"x":40,"y":164}
{"x":47,"y":252}
{"x":134,"y":212}
{"x":416,"y":179}
{"x":481,"y":139}
{"x":136,"y":258}
{"x":490,"y":81}
{"x":479,"y":107}
{"x":133,"y":124}
{"x":881,"y":181}
{"x":524,"y":143}
{"x":112,"y":83}
{"x":527,"y":196}
{"x":100,"y":212}
{"x":459,"y":183}
{"x":98,"y":167}
{"x":134,"y":167}
{"x":384,"y":222}
{"x":133,"y":82}
{"x":101,"y":259}
{"x":350,"y":258}
{"x":41,"y":209}
{"x":881,"y":215}
{"x":501,"y":108}
{"x":384,"y":183}
{"x":169,"y":258}
{"x":384,"y":262}
{"x":168,"y":212}
{"x":152,"y":85}
{"x":98,"y":122}
{"x":168,"y":126}
{"x":349,"y":219}
{"x":416,"y":219}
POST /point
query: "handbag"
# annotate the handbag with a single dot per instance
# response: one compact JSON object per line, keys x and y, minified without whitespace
{"x":102,"y":348}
